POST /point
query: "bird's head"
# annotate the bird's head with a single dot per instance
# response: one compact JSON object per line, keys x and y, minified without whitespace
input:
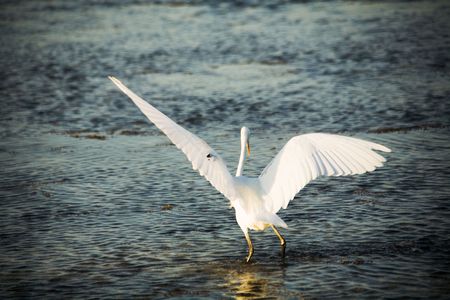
{"x":245,"y":138}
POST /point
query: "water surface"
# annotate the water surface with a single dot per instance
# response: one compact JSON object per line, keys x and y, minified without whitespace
{"x":96,"y":203}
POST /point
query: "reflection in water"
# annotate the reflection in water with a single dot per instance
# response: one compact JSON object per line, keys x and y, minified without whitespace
{"x":251,"y":281}
{"x":247,"y":284}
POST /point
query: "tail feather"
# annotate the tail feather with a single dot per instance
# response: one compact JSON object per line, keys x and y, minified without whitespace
{"x":272,"y":219}
{"x":279,"y":222}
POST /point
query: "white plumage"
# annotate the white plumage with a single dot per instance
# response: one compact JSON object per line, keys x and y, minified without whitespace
{"x":257,"y":200}
{"x":307,"y":156}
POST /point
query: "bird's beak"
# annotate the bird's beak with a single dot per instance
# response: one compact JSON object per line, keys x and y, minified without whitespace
{"x":248,"y":147}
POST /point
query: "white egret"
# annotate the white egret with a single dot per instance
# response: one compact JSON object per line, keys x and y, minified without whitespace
{"x":257,"y":200}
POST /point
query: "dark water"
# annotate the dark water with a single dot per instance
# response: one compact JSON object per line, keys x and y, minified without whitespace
{"x":95,"y":203}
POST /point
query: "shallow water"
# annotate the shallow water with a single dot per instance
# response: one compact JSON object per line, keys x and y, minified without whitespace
{"x":96,"y":203}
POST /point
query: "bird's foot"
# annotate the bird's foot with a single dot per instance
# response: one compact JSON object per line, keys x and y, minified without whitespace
{"x":250,"y":247}
{"x":249,"y":256}
{"x":283,"y":250}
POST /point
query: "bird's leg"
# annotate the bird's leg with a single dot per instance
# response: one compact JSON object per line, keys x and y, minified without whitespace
{"x":282,"y":240}
{"x":250,"y":246}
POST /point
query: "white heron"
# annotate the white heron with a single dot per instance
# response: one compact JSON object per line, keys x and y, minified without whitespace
{"x":257,"y":200}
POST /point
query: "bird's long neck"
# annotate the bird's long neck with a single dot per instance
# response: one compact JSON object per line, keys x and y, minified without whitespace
{"x":241,"y":161}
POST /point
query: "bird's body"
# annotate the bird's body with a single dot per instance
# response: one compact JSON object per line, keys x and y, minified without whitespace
{"x":257,"y":200}
{"x":251,"y":209}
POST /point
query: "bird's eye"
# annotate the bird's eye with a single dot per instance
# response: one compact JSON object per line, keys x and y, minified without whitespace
{"x":209,"y":155}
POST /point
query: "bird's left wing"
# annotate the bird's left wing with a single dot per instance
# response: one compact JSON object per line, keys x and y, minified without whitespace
{"x":307,"y":156}
{"x":203,"y":158}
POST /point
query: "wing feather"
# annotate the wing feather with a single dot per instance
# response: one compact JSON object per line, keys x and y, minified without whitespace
{"x":305,"y":157}
{"x":213,"y":168}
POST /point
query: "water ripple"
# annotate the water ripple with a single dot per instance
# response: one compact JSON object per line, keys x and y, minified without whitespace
{"x":96,"y":203}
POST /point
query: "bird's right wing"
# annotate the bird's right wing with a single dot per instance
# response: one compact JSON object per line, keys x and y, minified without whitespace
{"x":307,"y":156}
{"x":203,"y":158}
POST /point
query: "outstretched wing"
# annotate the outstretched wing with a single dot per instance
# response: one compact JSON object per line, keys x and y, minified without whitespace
{"x":305,"y":157}
{"x":203,"y":158}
